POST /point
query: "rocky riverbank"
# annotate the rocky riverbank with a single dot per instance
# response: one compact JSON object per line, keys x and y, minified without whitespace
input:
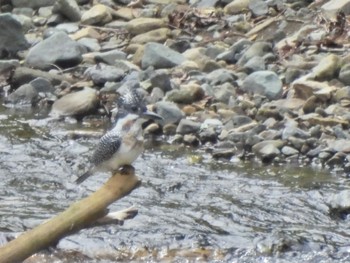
{"x":244,"y":78}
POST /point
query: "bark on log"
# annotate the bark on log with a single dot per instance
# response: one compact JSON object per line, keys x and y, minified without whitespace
{"x":79,"y":215}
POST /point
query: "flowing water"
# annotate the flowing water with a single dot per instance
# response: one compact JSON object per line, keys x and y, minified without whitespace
{"x":191,"y":207}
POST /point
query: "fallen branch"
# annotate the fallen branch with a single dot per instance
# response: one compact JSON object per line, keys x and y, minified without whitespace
{"x":78,"y":216}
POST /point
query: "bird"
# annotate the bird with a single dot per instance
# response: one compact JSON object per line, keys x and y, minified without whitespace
{"x":124,"y":142}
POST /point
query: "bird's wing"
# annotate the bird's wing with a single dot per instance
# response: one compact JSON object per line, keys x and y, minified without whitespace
{"x":108,"y":145}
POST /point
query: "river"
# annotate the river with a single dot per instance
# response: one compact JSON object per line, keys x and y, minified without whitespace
{"x":191,"y":207}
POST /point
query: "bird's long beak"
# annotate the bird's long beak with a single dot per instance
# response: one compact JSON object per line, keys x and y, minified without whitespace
{"x":151,"y":115}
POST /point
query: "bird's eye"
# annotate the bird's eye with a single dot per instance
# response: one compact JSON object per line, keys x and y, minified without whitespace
{"x":133,"y":108}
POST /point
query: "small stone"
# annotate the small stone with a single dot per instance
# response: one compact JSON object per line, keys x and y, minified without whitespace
{"x":170,"y":112}
{"x":288,"y":151}
{"x":12,"y":38}
{"x":158,"y":35}
{"x":68,"y":8}
{"x":101,"y":73}
{"x":191,"y":139}
{"x":342,"y":93}
{"x":188,"y":93}
{"x":110,"y":57}
{"x":236,"y":7}
{"x":266,"y":83}
{"x":58,"y":49}
{"x":334,"y":7}
{"x":255,"y":64}
{"x":77,"y":103}
{"x":160,"y":56}
{"x":187,"y":126}
{"x":169,"y":129}
{"x":257,"y":49}
{"x":91,"y":44}
{"x":258,"y":7}
{"x":25,"y":95}
{"x":35,"y":4}
{"x":267,"y":150}
{"x":160,"y":78}
{"x":144,"y":24}
{"x":97,"y":15}
{"x":327,"y":68}
{"x":344,"y":74}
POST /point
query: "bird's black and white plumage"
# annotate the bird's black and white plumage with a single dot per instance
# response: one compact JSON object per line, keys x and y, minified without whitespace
{"x":124,"y":142}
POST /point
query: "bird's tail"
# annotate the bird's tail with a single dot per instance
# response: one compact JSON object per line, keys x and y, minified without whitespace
{"x":83,"y":177}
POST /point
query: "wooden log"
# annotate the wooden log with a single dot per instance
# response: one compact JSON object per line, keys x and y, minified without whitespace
{"x":79,"y":215}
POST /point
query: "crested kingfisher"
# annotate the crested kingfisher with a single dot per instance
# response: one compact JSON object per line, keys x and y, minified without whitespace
{"x":124,"y":142}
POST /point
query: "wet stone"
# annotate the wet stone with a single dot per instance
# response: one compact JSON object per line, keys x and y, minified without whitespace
{"x":187,"y":126}
{"x":12,"y":38}
{"x":170,"y":112}
{"x":287,"y":150}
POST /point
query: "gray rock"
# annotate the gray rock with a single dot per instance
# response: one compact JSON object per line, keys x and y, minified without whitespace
{"x":221,"y":76}
{"x":255,"y":64}
{"x":160,"y":78}
{"x":32,"y":3}
{"x":101,"y":73}
{"x":58,"y":49}
{"x":266,"y":83}
{"x":69,"y":28}
{"x":234,"y":53}
{"x":26,"y":11}
{"x":240,"y":120}
{"x":224,"y":92}
{"x":293,"y":74}
{"x":333,"y":7}
{"x":30,"y":94}
{"x":344,"y":74}
{"x":12,"y":38}
{"x":91,"y":44}
{"x":170,"y":112}
{"x":68,"y":8}
{"x":8,"y":65}
{"x":42,"y":85}
{"x":208,"y":135}
{"x":160,"y":56}
{"x":257,"y":49}
{"x":206,"y":3}
{"x":288,"y":151}
{"x":267,"y":150}
{"x":24,"y":75}
{"x":258,"y":7}
{"x":78,"y":103}
{"x":187,"y":126}
{"x":179,"y":45}
{"x":110,"y":57}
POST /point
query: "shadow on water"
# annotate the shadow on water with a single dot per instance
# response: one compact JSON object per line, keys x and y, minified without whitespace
{"x":203,"y":210}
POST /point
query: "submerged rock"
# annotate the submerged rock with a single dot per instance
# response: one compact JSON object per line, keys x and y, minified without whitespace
{"x":12,"y":38}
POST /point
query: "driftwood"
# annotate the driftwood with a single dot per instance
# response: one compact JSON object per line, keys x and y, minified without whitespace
{"x":84,"y":213}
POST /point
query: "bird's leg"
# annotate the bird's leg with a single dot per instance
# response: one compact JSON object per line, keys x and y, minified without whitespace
{"x":127,"y":169}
